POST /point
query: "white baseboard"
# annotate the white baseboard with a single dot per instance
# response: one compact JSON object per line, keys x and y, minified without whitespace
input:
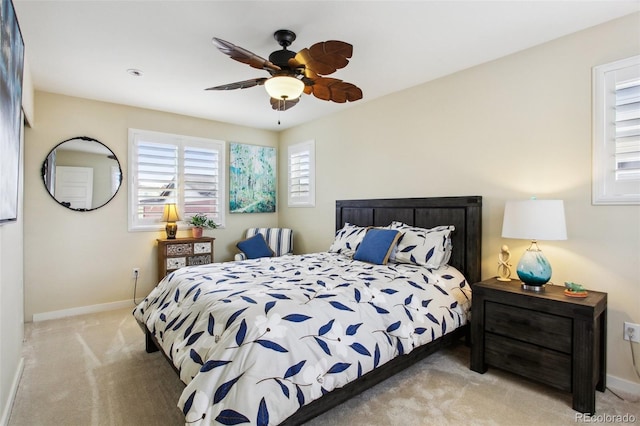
{"x":6,"y":411}
{"x":83,"y":310}
{"x":623,"y":385}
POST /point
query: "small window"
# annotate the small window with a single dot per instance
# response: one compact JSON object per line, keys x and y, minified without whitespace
{"x":301,"y":177}
{"x":616,"y":132}
{"x":165,"y":168}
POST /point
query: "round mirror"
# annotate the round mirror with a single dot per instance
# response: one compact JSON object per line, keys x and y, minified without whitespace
{"x":82,"y":174}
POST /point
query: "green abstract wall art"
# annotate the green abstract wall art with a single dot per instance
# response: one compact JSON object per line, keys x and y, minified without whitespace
{"x":252,"y":176}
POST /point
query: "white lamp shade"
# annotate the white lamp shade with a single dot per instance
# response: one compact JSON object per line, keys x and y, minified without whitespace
{"x":284,"y":87}
{"x":534,"y":220}
{"x":170,"y":213}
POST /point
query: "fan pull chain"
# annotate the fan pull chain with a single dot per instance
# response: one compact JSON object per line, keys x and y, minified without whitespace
{"x":281,"y":102}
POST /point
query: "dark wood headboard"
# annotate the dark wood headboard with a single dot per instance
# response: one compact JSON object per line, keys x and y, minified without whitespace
{"x":465,"y":213}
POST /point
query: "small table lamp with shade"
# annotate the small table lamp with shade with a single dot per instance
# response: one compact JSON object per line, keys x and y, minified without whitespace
{"x":534,"y":220}
{"x":170,"y":215}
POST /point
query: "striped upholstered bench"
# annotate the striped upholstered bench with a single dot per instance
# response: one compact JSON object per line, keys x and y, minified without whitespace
{"x":280,"y":240}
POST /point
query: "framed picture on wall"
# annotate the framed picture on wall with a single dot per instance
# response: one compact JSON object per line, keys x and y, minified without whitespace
{"x":252,"y":179}
{"x":11,"y":66}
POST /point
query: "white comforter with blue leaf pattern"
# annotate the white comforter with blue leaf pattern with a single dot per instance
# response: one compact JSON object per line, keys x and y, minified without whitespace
{"x":256,"y":340}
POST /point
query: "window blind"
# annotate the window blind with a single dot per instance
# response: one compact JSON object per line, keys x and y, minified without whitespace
{"x":301,"y":175}
{"x":616,"y":132}
{"x":201,"y":182}
{"x":156,"y":177}
{"x":627,"y":129}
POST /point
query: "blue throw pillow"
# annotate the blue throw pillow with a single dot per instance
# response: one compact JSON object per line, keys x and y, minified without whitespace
{"x":255,"y":247}
{"x":376,"y":246}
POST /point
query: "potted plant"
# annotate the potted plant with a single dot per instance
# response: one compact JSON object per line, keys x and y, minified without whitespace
{"x":199,"y":221}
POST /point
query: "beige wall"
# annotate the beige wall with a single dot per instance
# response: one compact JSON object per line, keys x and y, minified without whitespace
{"x":11,"y":304}
{"x":77,"y":259}
{"x":12,"y":279}
{"x":505,"y":130}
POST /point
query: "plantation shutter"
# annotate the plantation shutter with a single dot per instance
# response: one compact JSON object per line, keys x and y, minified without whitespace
{"x":301,"y":175}
{"x":616,"y":138}
{"x":627,"y":129}
{"x":299,"y":178}
{"x":157,"y":180}
{"x":201,"y":182}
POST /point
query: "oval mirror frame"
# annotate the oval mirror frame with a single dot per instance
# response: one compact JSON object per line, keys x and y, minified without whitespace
{"x":86,"y":173}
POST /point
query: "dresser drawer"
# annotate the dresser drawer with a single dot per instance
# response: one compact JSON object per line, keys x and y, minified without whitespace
{"x":536,"y":363}
{"x":199,"y":260}
{"x":538,"y":328}
{"x":179,"y":249}
{"x":202,"y":247}
{"x":173,"y":263}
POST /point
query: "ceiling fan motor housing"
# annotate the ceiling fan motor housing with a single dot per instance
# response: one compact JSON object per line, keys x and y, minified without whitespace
{"x":281,"y":58}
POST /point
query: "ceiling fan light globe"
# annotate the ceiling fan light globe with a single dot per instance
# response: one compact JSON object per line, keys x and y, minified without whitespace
{"x":284,"y":87}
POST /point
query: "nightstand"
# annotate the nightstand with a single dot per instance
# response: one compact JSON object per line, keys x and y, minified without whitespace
{"x":179,"y":252}
{"x":545,"y":336}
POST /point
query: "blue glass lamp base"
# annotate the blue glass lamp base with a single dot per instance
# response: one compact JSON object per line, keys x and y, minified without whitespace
{"x":533,"y":269}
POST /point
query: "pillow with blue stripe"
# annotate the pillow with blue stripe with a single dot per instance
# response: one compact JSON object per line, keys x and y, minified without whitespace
{"x":376,"y":246}
{"x":425,"y":247}
{"x":255,"y":247}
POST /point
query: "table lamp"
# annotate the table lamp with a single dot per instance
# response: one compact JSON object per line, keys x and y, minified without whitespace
{"x":170,"y":215}
{"x":534,"y":220}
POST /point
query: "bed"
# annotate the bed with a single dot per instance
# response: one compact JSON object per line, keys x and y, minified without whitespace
{"x":281,"y":340}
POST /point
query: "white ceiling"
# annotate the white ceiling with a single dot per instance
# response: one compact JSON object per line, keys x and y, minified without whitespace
{"x":84,"y":47}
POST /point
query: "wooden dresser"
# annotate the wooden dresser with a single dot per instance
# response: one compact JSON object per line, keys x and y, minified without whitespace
{"x":179,"y":252}
{"x":545,"y":336}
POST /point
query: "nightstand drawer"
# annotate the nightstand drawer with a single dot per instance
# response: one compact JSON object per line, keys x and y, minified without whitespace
{"x":539,"y":328}
{"x":534,"y":362}
{"x":177,"y":253}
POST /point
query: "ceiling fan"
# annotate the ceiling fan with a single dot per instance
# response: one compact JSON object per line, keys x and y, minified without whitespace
{"x":294,"y":73}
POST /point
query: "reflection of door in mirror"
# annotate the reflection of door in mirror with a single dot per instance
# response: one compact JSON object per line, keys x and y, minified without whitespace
{"x":74,"y":187}
{"x":99,"y":162}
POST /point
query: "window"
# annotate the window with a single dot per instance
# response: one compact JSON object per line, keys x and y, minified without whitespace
{"x":301,"y":176}
{"x":165,"y":168}
{"x":616,"y":132}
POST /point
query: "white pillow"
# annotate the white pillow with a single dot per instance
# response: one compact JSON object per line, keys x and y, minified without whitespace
{"x":426,"y":247}
{"x":348,"y":239}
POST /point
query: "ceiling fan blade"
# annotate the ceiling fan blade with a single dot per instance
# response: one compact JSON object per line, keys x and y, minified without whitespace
{"x":333,"y":89}
{"x":240,"y":84}
{"x":282,"y":105}
{"x":243,"y":55}
{"x":323,"y":58}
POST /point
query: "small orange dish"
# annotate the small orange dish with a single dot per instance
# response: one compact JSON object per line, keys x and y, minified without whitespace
{"x":570,"y":293}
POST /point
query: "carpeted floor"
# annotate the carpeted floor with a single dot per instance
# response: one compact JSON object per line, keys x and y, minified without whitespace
{"x":93,"y":370}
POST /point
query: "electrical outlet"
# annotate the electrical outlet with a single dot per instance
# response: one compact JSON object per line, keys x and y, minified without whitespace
{"x":631,"y":332}
{"x":135,"y":273}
